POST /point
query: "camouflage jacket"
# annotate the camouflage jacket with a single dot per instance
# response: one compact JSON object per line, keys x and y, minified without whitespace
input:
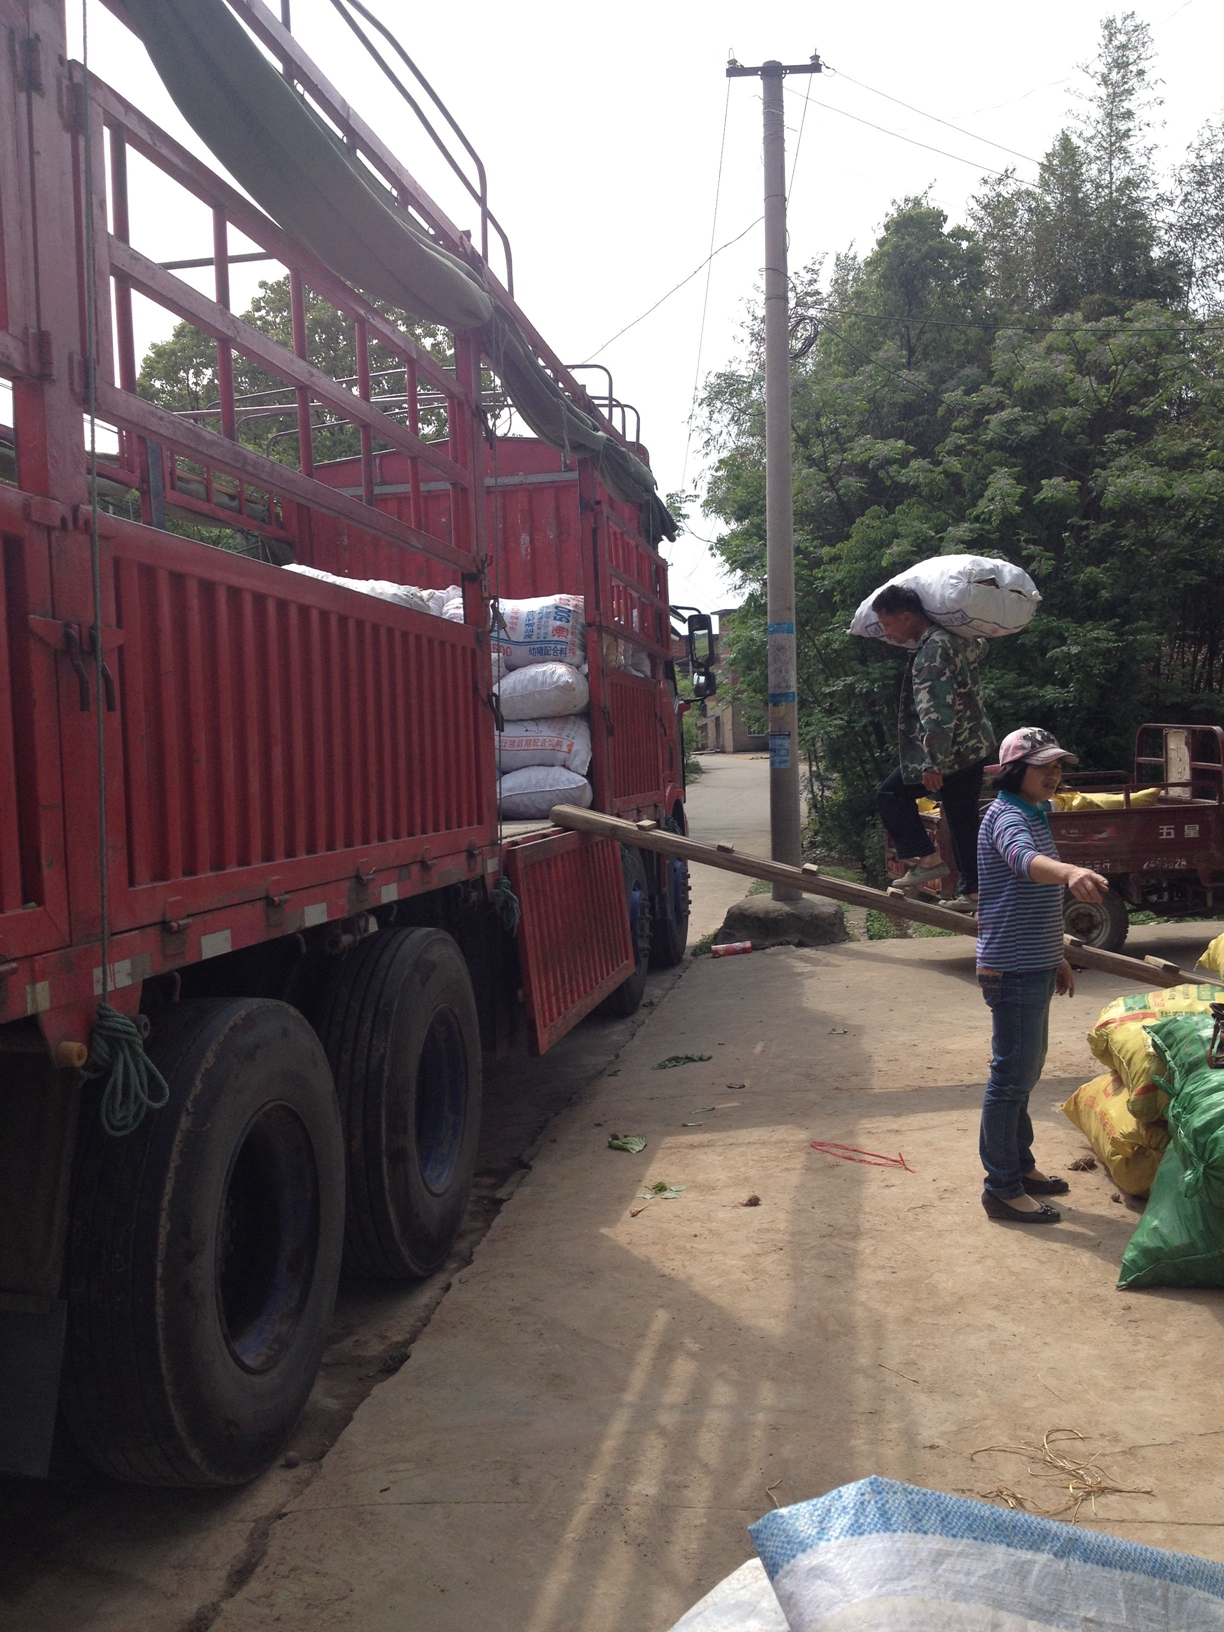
{"x":942,"y":722}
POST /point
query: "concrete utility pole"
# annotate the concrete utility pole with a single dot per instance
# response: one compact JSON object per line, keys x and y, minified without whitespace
{"x":784,"y":821}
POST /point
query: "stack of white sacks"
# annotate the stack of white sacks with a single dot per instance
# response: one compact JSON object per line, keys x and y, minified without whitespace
{"x":544,"y":746}
{"x":539,"y":674}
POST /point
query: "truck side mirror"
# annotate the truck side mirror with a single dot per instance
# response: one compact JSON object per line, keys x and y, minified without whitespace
{"x":703,"y":654}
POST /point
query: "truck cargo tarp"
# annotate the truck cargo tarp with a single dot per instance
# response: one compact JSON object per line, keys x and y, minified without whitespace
{"x":276,"y":147}
{"x":288,"y":159}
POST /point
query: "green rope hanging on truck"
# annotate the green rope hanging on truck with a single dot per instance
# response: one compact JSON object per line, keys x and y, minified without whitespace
{"x":131,"y":1084}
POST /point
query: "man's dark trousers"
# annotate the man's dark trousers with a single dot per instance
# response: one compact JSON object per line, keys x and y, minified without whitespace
{"x":897,"y":802}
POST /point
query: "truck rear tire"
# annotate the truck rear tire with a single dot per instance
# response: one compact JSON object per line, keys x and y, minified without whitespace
{"x":401,"y":1030}
{"x":627,"y":998}
{"x":669,"y":929}
{"x":1103,"y":924}
{"x":204,"y":1252}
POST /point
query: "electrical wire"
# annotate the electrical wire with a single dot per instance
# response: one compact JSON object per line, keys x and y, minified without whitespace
{"x":687,"y":279}
{"x":933,"y":117}
{"x":1006,"y":175}
{"x":705,"y":299}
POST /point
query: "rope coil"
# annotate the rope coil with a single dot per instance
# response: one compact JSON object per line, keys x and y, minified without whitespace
{"x":132,"y":1084}
{"x":507,"y":904}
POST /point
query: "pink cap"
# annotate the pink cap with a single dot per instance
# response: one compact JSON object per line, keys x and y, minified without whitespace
{"x":1032,"y":745}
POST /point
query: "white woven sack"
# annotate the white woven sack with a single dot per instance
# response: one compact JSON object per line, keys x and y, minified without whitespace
{"x":385,"y":590}
{"x":528,"y":795}
{"x":543,"y":692}
{"x":549,"y":629}
{"x":564,"y":741}
{"x":969,"y":594}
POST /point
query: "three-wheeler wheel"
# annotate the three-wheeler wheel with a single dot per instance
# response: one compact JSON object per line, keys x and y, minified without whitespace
{"x":627,"y":998}
{"x":1104,"y":924}
{"x":204,"y":1251}
{"x":400,"y":1028}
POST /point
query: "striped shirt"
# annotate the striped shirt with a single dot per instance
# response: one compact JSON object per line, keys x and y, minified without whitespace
{"x":1019,"y":921}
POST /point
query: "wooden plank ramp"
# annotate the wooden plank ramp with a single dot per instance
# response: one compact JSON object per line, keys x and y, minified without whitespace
{"x":1146,"y":971}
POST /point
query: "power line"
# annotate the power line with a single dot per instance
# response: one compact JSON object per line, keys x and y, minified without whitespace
{"x":1006,"y":175}
{"x":933,"y":117}
{"x":705,"y":299}
{"x":688,"y":279}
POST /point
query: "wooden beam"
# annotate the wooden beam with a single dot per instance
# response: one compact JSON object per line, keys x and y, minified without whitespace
{"x":1145,"y":973}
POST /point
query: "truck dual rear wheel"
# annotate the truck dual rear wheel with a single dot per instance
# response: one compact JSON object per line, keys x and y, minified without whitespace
{"x":401,"y":1031}
{"x":204,"y":1252}
{"x":669,"y":930}
{"x":627,"y":998}
{"x":1103,"y":924}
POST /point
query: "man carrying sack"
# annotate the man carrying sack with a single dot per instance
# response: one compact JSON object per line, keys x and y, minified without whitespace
{"x":945,"y":741}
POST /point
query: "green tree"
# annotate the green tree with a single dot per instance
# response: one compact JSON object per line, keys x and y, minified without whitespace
{"x":1091,"y":236}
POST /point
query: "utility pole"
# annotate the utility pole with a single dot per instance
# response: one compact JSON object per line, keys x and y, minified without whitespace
{"x":784,"y":821}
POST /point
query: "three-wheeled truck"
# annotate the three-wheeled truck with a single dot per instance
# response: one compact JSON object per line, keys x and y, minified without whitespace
{"x":1157,"y":834}
{"x":250,"y":817}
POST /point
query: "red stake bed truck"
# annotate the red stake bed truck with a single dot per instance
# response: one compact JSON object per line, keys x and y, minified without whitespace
{"x":255,"y":813}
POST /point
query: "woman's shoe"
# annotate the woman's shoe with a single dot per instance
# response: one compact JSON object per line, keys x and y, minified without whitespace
{"x":958,"y":903}
{"x":1052,"y":1186}
{"x":1013,"y":1215}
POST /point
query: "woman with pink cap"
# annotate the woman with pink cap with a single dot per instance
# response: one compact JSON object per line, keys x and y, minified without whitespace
{"x":1020,"y":963}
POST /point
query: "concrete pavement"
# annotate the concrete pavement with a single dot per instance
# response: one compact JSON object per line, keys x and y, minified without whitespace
{"x":616,"y":1387}
{"x":727,"y":804}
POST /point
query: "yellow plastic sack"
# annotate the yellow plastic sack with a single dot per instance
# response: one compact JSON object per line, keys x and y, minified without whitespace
{"x":926,"y":806}
{"x":1130,"y":1149}
{"x":1119,"y":1040}
{"x":1213,"y":958}
{"x":1071,"y":800}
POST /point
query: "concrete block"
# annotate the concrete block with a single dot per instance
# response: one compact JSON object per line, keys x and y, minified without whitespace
{"x":810,"y":921}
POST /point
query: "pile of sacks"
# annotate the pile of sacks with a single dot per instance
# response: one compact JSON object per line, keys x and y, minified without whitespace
{"x":441,"y":603}
{"x":1122,"y":1112}
{"x":1156,"y":1121}
{"x":544,"y":746}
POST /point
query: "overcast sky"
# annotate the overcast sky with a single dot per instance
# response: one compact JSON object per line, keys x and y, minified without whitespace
{"x":602,"y":131}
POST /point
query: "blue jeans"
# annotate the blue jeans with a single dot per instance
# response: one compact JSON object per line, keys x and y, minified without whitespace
{"x":1019,"y":1002}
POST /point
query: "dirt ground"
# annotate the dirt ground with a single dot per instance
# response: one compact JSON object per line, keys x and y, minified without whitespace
{"x":573,"y":1425}
{"x":615,"y":1389}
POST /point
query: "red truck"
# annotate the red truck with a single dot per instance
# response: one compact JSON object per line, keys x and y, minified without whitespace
{"x":1163,"y":851}
{"x":252,"y":816}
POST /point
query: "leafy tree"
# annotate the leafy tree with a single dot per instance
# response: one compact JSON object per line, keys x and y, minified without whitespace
{"x":1033,"y":389}
{"x":1090,"y":236}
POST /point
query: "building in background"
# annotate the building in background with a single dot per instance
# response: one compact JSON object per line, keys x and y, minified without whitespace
{"x":726,"y":724}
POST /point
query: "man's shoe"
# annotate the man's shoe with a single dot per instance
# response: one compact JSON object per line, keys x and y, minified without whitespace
{"x":918,"y":876}
{"x":959,"y":903}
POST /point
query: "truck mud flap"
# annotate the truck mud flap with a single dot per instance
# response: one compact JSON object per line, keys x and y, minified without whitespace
{"x":573,"y":939}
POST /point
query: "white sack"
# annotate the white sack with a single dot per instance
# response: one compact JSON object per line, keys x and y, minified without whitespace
{"x":969,"y":594}
{"x":564,"y":741}
{"x":626,"y":655}
{"x":549,"y":629}
{"x":400,"y":594}
{"x":499,"y":667}
{"x":530,"y":794}
{"x":543,"y":692}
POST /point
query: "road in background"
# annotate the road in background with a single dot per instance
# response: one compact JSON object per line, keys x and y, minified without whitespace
{"x":727,"y":804}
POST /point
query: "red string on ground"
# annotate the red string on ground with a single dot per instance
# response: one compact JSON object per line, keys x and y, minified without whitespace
{"x":868,"y":1158}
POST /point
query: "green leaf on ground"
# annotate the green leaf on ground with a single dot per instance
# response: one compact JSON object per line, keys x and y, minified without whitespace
{"x":632,"y":1142}
{"x":673,"y":1060}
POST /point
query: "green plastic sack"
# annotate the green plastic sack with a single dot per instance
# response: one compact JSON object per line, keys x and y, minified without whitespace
{"x":1179,"y":1241}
